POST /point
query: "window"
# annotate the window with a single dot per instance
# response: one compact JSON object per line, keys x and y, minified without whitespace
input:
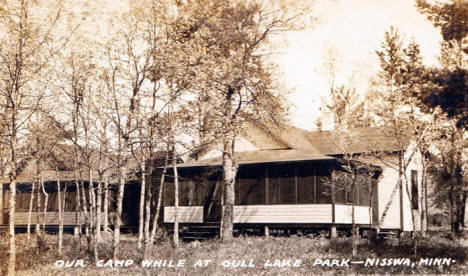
{"x":414,"y":189}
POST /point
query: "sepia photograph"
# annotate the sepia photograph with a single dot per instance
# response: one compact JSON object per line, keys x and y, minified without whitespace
{"x":233,"y":137}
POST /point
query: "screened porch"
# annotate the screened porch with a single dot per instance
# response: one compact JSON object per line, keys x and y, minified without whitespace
{"x":289,"y":192}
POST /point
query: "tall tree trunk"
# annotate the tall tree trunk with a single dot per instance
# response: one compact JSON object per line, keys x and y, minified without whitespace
{"x":98,"y":210}
{"x":106,"y":205}
{"x":159,"y":199}
{"x":463,"y":209}
{"x":423,"y":201}
{"x":426,"y":209}
{"x":148,"y":198}
{"x":118,"y":213}
{"x":333,"y":232}
{"x":31,"y":200}
{"x":176,"y":199}
{"x":11,"y":211}
{"x":60,"y":215}
{"x":46,"y":202}
{"x":355,"y":232}
{"x":78,"y":213}
{"x":38,"y":209}
{"x":92,"y":214}
{"x":84,"y":207}
{"x":141,"y":209}
{"x":354,"y":229}
{"x":451,"y":203}
{"x":229,"y":178}
{"x":39,"y":199}
{"x":11,"y":224}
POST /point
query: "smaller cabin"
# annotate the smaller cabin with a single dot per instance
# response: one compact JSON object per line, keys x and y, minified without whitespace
{"x":28,"y":181}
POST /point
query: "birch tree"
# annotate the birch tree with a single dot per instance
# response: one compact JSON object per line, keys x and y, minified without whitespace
{"x":232,"y":41}
{"x":125,"y":76}
{"x":399,"y":110}
{"x":25,"y":53}
{"x":447,"y":90}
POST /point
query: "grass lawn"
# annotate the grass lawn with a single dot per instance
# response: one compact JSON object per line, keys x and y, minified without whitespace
{"x":244,"y":255}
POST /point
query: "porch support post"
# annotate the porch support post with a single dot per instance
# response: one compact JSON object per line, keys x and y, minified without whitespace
{"x":333,"y":226}
{"x":400,"y":187}
{"x":266,"y":230}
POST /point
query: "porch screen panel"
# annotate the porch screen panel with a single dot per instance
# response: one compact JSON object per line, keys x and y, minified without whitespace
{"x":252,"y":191}
{"x":70,"y":200}
{"x":305,"y":189}
{"x":186,"y":191}
{"x":216,"y":180}
{"x":212,"y":192}
{"x":323,"y":186}
{"x":168,"y":194}
{"x":343,"y":184}
{"x":22,"y":202}
{"x":251,"y":185}
{"x":341,"y":196}
{"x":199,"y":192}
{"x":305,"y":185}
{"x":52,"y":205}
{"x":282,"y":187}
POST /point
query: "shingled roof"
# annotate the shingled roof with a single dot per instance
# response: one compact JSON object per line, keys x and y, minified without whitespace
{"x":261,"y":156}
{"x":354,"y":140}
{"x":359,"y":140}
{"x":303,"y":145}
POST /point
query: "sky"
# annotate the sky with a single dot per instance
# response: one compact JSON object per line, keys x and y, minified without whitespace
{"x":354,"y":30}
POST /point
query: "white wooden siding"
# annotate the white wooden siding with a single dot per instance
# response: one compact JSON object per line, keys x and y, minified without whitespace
{"x":287,"y":213}
{"x":387,"y":184}
{"x":185,"y":214}
{"x":51,"y":218}
{"x":290,"y":213}
{"x":343,"y":214}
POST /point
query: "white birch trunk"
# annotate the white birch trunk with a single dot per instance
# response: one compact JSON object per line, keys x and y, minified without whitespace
{"x":229,"y":178}
{"x":158,"y":203}
{"x":31,"y":201}
{"x":98,"y":211}
{"x":60,"y":215}
{"x":141,"y":209}
{"x":11,"y":227}
{"x":118,"y":214}
{"x":106,"y":206}
{"x":38,"y":210}
{"x":46,"y":201}
{"x":176,"y":200}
